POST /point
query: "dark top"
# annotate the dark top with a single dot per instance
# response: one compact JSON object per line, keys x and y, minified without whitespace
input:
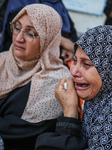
{"x":17,"y":133}
{"x":3,"y":5}
{"x":107,"y":11}
{"x":66,"y":137}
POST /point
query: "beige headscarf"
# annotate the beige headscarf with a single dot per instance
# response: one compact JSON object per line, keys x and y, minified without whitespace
{"x":44,"y":73}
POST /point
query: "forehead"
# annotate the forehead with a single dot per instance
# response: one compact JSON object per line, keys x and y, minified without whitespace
{"x":80,"y":53}
{"x":25,"y":20}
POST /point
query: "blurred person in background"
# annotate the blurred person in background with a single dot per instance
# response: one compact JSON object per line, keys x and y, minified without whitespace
{"x":108,"y":12}
{"x":3,"y":5}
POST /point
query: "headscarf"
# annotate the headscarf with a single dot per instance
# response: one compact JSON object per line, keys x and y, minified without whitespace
{"x":97,"y":115}
{"x":44,"y":73}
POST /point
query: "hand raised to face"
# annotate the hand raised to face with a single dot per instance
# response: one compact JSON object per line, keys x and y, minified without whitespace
{"x":67,"y":98}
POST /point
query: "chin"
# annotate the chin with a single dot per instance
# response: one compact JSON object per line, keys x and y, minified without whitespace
{"x":83,"y":96}
{"x":18,"y":55}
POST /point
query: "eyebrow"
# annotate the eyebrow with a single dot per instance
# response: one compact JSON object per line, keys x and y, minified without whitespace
{"x":83,"y":58}
{"x":27,"y":25}
{"x":30,"y":27}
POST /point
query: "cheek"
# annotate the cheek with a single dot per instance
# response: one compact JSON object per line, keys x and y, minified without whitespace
{"x":72,"y":68}
{"x":97,"y":82}
{"x":13,"y":37}
{"x":33,"y":49}
{"x":94,"y":80}
{"x":36,"y":44}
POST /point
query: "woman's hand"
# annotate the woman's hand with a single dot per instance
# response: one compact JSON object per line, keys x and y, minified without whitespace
{"x":68,"y":99}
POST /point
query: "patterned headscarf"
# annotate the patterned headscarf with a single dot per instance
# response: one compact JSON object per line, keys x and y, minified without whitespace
{"x":44,"y":73}
{"x":97,"y":115}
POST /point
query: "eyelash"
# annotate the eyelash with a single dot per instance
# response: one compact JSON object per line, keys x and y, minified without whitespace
{"x":86,"y":64}
{"x":17,"y":28}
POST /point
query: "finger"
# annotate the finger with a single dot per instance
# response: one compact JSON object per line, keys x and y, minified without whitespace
{"x":70,"y":84}
{"x":63,"y":54}
{"x":60,"y":88}
{"x":67,"y":59}
{"x":61,"y":83}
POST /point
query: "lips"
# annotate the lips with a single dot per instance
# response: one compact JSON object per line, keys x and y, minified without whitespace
{"x":81,"y":86}
{"x":18,"y":47}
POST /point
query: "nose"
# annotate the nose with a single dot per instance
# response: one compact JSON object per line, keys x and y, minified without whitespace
{"x":20,"y":37}
{"x":76,"y":70}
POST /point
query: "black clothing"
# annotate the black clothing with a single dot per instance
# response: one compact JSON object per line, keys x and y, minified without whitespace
{"x":3,"y":5}
{"x":72,"y":35}
{"x":66,"y":136}
{"x":15,"y":132}
{"x":18,"y":134}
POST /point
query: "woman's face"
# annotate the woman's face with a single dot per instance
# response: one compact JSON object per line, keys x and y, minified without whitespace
{"x":87,"y":81}
{"x":24,"y":49}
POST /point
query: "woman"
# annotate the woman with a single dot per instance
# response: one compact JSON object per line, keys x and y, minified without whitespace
{"x":68,"y":31}
{"x":91,"y":69}
{"x":29,"y":74}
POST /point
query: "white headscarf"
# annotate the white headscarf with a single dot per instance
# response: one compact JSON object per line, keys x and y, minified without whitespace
{"x":44,"y":73}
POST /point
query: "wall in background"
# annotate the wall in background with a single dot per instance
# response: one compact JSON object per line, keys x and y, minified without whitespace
{"x":86,"y":14}
{"x":83,"y":21}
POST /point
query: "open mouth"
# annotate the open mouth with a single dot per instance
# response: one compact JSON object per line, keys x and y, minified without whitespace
{"x":81,"y":86}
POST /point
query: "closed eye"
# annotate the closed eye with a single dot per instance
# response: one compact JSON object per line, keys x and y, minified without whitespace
{"x":87,"y":64}
{"x":74,"y":61}
{"x":30,"y":34}
{"x":18,"y":29}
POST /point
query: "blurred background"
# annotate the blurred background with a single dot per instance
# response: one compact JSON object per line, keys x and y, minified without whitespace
{"x":86,"y":13}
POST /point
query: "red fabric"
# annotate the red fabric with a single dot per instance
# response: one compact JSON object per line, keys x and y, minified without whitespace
{"x":69,"y":63}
